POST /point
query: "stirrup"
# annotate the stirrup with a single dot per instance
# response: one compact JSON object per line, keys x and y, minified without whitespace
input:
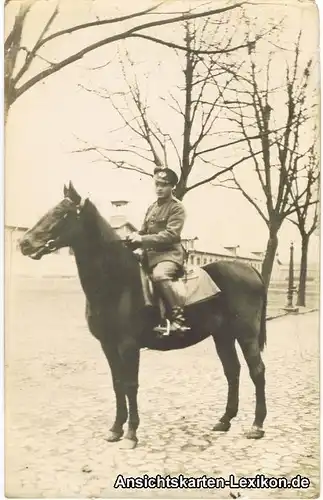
{"x":179,"y":328}
{"x":164,"y":330}
{"x":178,"y":323}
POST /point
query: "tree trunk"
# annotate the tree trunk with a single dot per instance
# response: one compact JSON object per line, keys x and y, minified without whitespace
{"x":180,"y":190}
{"x":6,"y":106}
{"x":303,"y":271}
{"x":181,"y":187}
{"x":8,"y":96}
{"x":268,"y":263}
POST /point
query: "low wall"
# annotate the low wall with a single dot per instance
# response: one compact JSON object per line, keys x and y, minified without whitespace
{"x":50,"y":265}
{"x":70,"y":285}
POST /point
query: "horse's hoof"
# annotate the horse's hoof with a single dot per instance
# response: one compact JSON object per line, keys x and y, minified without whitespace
{"x":128,"y":444}
{"x":255,"y":433}
{"x":221,"y":426}
{"x":113,"y":436}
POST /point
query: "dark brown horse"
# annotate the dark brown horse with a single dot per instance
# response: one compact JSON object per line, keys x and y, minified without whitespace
{"x":116,"y":314}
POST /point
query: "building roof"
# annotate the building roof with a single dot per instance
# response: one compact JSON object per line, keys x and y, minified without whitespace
{"x":212,"y":248}
{"x":247,"y":254}
{"x":125,"y":224}
{"x":215,"y":248}
{"x":118,"y":220}
{"x":119,"y":202}
{"x":19,"y":228}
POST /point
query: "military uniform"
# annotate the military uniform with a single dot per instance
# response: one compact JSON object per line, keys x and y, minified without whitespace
{"x":161,"y":233}
{"x":161,"y":242}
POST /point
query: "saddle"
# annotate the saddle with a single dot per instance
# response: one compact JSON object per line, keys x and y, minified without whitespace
{"x":195,"y":285}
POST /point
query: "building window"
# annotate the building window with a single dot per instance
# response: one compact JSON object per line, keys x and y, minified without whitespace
{"x":198,"y":261}
{"x":192,"y":260}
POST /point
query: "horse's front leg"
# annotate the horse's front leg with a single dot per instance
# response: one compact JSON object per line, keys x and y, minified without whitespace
{"x":130,"y":353}
{"x":114,"y":360}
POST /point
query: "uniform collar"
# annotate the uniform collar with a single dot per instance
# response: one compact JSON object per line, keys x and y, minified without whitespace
{"x":164,"y":201}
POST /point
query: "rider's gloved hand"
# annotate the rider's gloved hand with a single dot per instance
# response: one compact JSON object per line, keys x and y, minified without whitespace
{"x":134,"y":240}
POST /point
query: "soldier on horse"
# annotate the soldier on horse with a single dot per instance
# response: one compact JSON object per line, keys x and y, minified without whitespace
{"x":111,"y":282}
{"x":160,"y":239}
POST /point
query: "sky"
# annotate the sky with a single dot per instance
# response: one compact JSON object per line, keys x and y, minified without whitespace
{"x":45,"y":123}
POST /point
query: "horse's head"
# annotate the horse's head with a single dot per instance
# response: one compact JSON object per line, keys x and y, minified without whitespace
{"x":58,"y":228}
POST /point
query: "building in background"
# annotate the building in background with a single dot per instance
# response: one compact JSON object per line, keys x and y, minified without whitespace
{"x":61,"y":262}
{"x":119,"y":219}
{"x":200,"y":254}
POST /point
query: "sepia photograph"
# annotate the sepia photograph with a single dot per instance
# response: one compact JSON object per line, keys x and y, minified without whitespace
{"x":162,"y":249}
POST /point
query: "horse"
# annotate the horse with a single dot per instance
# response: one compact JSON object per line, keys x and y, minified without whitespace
{"x":117,"y":316}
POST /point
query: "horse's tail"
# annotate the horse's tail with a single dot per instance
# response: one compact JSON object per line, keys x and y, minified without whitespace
{"x":263,"y":329}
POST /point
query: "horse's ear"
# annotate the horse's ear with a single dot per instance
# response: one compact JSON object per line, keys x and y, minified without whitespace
{"x":65,"y":191}
{"x":73,"y":194}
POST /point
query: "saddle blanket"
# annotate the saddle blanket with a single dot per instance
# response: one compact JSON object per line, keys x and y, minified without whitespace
{"x":198,"y":286}
{"x":194,"y":287}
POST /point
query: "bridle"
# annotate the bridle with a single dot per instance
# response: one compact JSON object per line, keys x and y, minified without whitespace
{"x":79,"y":207}
{"x":52,"y":244}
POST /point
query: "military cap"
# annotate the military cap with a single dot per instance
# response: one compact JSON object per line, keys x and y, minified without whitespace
{"x":165,"y":175}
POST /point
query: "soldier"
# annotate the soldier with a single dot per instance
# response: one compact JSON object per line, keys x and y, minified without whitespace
{"x":160,"y":238}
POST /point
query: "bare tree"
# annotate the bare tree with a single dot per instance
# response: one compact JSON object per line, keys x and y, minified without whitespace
{"x":193,"y":151}
{"x":305,"y":196}
{"x":264,"y":103}
{"x":20,"y":60}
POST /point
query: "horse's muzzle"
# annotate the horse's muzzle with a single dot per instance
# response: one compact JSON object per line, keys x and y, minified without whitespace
{"x":29,"y":250}
{"x":25,"y":246}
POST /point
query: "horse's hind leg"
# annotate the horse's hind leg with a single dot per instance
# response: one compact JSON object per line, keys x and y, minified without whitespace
{"x":112,"y":355}
{"x":225,"y":346}
{"x":251,"y":351}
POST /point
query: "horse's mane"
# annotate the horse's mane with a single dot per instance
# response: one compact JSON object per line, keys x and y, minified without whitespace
{"x":100,"y":225}
{"x":106,"y":240}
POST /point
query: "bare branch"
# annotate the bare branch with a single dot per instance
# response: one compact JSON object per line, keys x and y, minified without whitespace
{"x":33,"y":53}
{"x":292,"y":209}
{"x":193,"y":51}
{"x":120,"y":36}
{"x":112,"y":150}
{"x":232,"y":143}
{"x":223,"y":171}
{"x":251,"y":200}
{"x":118,"y":163}
{"x":73,"y":29}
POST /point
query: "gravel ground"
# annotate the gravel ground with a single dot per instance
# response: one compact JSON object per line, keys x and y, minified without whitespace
{"x":59,"y":406}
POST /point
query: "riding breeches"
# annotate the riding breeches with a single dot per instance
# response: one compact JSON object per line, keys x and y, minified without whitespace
{"x":164,"y":271}
{"x":164,"y":277}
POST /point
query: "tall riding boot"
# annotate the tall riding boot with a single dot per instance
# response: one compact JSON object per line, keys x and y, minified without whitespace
{"x":174,"y":300}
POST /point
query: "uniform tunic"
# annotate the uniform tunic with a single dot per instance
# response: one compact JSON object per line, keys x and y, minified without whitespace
{"x":161,"y":232}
